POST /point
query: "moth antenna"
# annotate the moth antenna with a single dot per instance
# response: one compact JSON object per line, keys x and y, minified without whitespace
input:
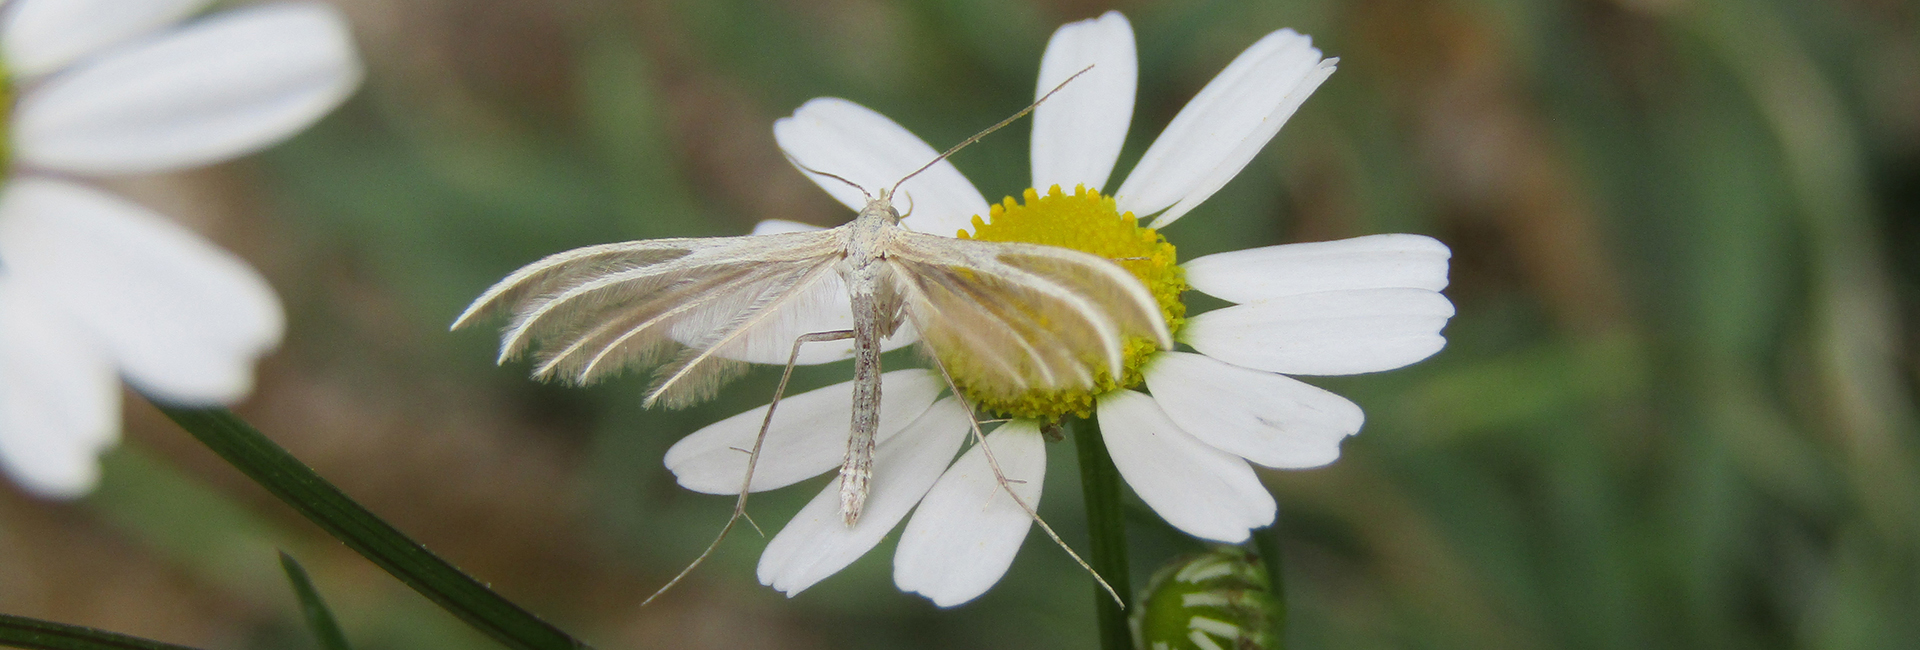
{"x":1007,"y":484}
{"x":977,"y":136}
{"x":909,"y":212}
{"x":803,"y":167}
{"x":753,"y":459}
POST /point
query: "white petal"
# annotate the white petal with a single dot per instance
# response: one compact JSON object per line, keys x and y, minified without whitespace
{"x":777,"y":226}
{"x":41,"y":35}
{"x":183,"y":319}
{"x":853,"y":142}
{"x":817,"y":542}
{"x":219,"y":88}
{"x":1221,"y":130}
{"x":1327,"y":333}
{"x":1208,"y":493}
{"x":807,"y":438}
{"x":823,"y":308}
{"x":1270,"y":419}
{"x":1078,"y":131}
{"x":967,"y":530}
{"x":1372,"y":262}
{"x":59,"y":399}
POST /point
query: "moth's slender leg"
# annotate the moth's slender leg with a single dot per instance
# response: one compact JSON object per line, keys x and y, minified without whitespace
{"x":753,"y":456}
{"x":1007,"y":484}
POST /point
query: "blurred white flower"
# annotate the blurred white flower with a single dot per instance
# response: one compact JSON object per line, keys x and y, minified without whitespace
{"x":1353,"y":306}
{"x":94,"y":288}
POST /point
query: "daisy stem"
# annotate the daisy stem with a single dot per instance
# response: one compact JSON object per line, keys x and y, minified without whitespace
{"x":1106,"y":524}
{"x":1267,"y":542}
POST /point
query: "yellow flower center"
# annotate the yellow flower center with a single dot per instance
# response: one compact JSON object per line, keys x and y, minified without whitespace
{"x":1088,"y":222}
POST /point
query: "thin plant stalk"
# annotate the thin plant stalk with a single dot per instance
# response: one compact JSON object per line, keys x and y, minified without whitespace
{"x":1106,"y":525}
{"x":1266,"y":541}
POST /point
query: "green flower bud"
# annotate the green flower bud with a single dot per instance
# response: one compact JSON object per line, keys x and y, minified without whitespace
{"x":1218,"y":600}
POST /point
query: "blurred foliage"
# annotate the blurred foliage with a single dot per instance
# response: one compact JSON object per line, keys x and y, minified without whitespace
{"x":1677,"y":409}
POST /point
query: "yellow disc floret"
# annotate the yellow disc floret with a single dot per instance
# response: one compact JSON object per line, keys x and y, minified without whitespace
{"x":1089,"y":222}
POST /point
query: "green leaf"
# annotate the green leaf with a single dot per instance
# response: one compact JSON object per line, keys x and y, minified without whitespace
{"x":318,"y":616}
{"x":320,"y":502}
{"x":22,"y":632}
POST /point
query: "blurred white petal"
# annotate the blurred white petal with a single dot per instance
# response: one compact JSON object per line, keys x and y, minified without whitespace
{"x":1327,"y":333}
{"x":181,"y":318}
{"x":817,"y":543}
{"x":1078,"y":131}
{"x":1206,"y":492}
{"x":853,"y":142}
{"x":59,"y":398}
{"x":218,"y":88}
{"x":40,"y":36}
{"x":807,"y":438}
{"x":1224,"y":126}
{"x":1371,"y":262}
{"x":1270,"y":419}
{"x":967,"y":530}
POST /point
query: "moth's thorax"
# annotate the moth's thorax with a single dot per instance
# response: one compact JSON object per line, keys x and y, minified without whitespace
{"x":872,"y":231}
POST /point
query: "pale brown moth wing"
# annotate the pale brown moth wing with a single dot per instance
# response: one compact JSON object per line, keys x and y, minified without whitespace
{"x":593,"y":311}
{"x":570,"y":268}
{"x":1024,"y":316}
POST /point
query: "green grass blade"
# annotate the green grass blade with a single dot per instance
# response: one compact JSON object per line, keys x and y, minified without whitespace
{"x":22,"y":632}
{"x":320,"y":502}
{"x":325,"y":629}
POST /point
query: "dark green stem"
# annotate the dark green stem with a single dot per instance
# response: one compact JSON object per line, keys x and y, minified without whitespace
{"x":1106,"y":525}
{"x":268,"y":464}
{"x":23,"y":632}
{"x":1267,"y":542}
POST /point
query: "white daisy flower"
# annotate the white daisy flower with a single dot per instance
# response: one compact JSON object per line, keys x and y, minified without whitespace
{"x":94,"y":288}
{"x":1353,"y":306}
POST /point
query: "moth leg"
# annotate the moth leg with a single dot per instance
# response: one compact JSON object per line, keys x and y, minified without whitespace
{"x":753,"y":457}
{"x":1007,"y":485}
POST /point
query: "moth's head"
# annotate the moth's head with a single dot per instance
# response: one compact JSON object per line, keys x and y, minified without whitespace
{"x":881,"y":204}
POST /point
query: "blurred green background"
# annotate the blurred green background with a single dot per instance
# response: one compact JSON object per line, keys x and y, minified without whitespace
{"x":1677,"y":409}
